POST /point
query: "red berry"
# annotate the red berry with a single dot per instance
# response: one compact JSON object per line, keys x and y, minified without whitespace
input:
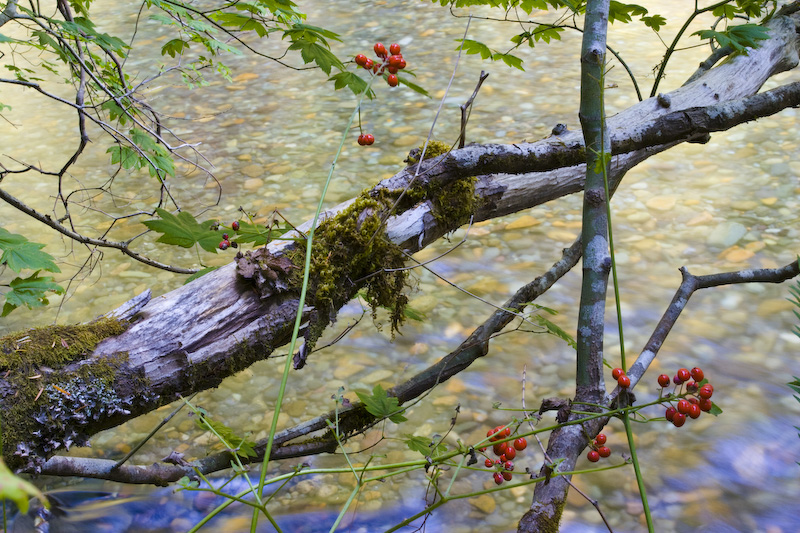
{"x":670,"y":414}
{"x":402,"y":64}
{"x":361,"y":140}
{"x":624,"y":381}
{"x":235,"y":225}
{"x":616,"y":373}
{"x":394,"y":61}
{"x":697,"y":374}
{"x":663,"y":380}
{"x":368,"y":64}
{"x":394,"y":48}
{"x":705,"y":404}
{"x":693,"y":400}
{"x":498,"y":478}
{"x":224,"y":244}
{"x":520,"y":444}
{"x":508,"y":465}
{"x":491,"y":434}
{"x":361,"y":60}
{"x":676,"y":380}
{"x":500,"y":448}
{"x":683,"y":374}
{"x":369,"y":138}
{"x":510,"y":452}
{"x":691,"y":387}
{"x":678,"y":420}
{"x":489,"y":463}
{"x":392,"y":70}
{"x":694,"y":410}
{"x":508,"y":476}
{"x":392,"y":80}
{"x":224,"y":236}
{"x":380,"y":50}
{"x":683,"y":406}
{"x":506,"y":431}
{"x":600,"y":439}
{"x":593,"y":456}
{"x":604,"y":451}
{"x":706,"y":391}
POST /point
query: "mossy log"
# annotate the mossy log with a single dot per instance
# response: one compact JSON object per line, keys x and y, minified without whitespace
{"x":195,"y":336}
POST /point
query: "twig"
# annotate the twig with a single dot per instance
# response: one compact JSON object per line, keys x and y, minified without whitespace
{"x":466,"y":110}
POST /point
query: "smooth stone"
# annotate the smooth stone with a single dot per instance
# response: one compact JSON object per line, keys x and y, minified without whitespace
{"x":726,"y":234}
{"x":662,"y":203}
{"x":484,"y":503}
{"x":253,"y":171}
{"x":252,"y":184}
{"x":701,"y":219}
{"x":424,"y":304}
{"x":736,"y":254}
{"x":744,"y":205}
{"x":378,"y":375}
{"x":525,"y":221}
{"x":406,"y":140}
{"x":769,"y":201}
{"x":774,"y":306}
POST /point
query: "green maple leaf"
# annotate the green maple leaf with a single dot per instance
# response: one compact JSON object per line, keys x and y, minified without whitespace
{"x":424,"y":446}
{"x":19,"y":253}
{"x":183,"y":230}
{"x":381,"y":405}
{"x":30,"y":292}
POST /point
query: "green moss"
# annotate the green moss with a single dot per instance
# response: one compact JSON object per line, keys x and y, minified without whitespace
{"x":47,"y":406}
{"x":434,"y":149}
{"x":351,"y":250}
{"x":54,"y":346}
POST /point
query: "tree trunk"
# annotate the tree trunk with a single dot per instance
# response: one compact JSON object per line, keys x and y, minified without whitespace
{"x":193,"y":337}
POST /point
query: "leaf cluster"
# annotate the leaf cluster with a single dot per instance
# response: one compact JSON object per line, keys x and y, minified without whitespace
{"x":381,"y":405}
{"x":18,"y":253}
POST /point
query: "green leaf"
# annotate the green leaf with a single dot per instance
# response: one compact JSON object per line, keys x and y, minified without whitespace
{"x":553,"y":329}
{"x":18,"y":490}
{"x":547,"y":33}
{"x":655,"y":22}
{"x":737,"y":37}
{"x":183,"y":230}
{"x":715,"y":410}
{"x":424,"y":446}
{"x":259,"y":235}
{"x":199,"y":274}
{"x":125,"y":156}
{"x":728,"y":11}
{"x":624,"y":12}
{"x":313,"y":52}
{"x":352,"y":81}
{"x":241,"y":445}
{"x":475,"y":47}
{"x":414,"y":314}
{"x":381,"y":405}
{"x":4,"y":39}
{"x":30,"y":292}
{"x":175,"y":47}
{"x":20,"y":253}
{"x":508,"y":59}
{"x":413,"y":86}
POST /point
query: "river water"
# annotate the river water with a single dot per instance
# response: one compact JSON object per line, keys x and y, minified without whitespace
{"x":271,"y":135}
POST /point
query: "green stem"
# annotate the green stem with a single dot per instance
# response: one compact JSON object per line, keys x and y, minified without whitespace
{"x":303,"y":291}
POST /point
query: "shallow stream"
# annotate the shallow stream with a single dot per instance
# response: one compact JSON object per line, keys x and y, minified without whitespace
{"x":271,"y":134}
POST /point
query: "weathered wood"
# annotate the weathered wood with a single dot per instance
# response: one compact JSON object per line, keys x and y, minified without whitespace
{"x":193,"y":337}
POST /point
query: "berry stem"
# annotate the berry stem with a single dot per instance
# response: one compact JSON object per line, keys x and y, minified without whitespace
{"x":637,"y":470}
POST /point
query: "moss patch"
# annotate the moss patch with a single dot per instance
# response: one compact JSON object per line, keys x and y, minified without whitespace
{"x":351,"y":251}
{"x":47,"y":407}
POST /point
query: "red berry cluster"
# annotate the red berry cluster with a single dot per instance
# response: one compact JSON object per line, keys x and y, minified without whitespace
{"x":697,"y":398}
{"x":599,"y":449}
{"x":391,"y":61}
{"x":505,"y":451}
{"x":226,"y":242}
{"x":621,"y":378}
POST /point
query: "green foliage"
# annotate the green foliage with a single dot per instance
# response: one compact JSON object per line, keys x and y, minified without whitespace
{"x":259,"y":235}
{"x":21,"y":254}
{"x":476,"y":47}
{"x":352,"y":81}
{"x":380,"y":405}
{"x":18,"y":490}
{"x":239,"y":445}
{"x":183,"y":230}
{"x":737,"y":37}
{"x":427,"y":447}
{"x":30,"y":292}
{"x":550,"y":327}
